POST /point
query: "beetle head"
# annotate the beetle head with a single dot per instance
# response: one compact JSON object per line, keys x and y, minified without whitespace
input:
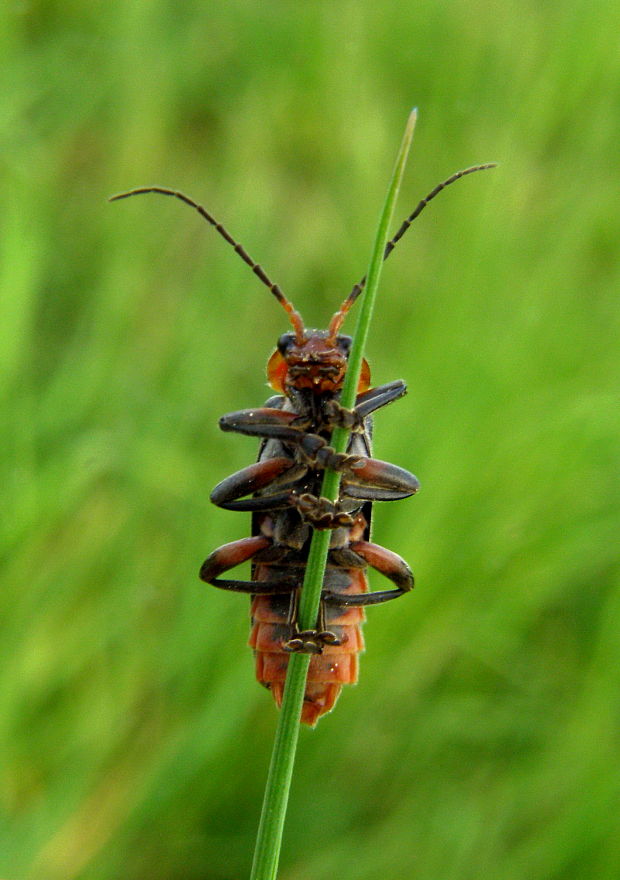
{"x":317,"y":362}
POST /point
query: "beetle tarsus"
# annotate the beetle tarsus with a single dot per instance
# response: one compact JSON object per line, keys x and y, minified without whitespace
{"x":310,"y":641}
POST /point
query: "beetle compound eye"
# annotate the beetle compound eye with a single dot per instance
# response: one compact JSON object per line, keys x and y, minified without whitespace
{"x":344,"y":343}
{"x":285,"y":342}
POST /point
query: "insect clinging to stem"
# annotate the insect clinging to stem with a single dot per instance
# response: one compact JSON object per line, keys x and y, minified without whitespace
{"x":282,"y":491}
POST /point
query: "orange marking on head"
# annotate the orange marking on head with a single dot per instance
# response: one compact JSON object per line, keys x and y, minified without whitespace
{"x":276,"y":371}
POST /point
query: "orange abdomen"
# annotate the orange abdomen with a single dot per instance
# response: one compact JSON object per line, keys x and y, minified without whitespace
{"x":328,"y":671}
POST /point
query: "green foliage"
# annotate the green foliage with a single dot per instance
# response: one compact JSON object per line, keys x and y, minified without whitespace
{"x":482,"y":739}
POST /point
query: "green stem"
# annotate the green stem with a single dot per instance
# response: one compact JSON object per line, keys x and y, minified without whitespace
{"x":267,"y":852}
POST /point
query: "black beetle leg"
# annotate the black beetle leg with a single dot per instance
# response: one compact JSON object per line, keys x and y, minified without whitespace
{"x":267,"y":422}
{"x":229,"y":556}
{"x":274,"y":472}
{"x":366,"y":403}
{"x":384,"y":561}
{"x":375,"y":480}
{"x":308,"y":641}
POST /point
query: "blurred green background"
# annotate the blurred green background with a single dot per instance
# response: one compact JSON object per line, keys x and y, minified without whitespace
{"x":482,"y":739}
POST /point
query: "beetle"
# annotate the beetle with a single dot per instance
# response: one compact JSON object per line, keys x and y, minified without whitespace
{"x":282,"y":492}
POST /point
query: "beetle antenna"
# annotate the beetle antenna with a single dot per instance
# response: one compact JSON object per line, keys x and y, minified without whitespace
{"x":336,"y":321}
{"x":294,"y":316}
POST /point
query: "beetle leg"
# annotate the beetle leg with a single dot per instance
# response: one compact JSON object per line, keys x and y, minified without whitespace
{"x":321,"y":513}
{"x":338,"y":416}
{"x":229,"y":556}
{"x":276,"y":424}
{"x":269,"y":472}
{"x":316,"y":453}
{"x":375,"y":398}
{"x":308,"y":641}
{"x":265,"y":421}
{"x":326,"y":636}
{"x":375,"y":480}
{"x":299,"y":642}
{"x":366,"y":403}
{"x":384,"y":561}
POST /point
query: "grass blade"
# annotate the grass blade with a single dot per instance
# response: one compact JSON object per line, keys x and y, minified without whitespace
{"x":269,"y":839}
